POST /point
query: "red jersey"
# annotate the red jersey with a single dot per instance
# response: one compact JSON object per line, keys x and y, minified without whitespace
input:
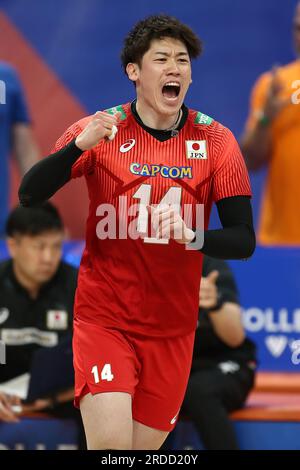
{"x":142,"y":285}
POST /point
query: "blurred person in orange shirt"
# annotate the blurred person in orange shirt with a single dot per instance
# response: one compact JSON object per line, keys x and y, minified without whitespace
{"x":272,"y":136}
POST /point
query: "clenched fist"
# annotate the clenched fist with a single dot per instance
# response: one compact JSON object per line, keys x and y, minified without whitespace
{"x":98,"y":128}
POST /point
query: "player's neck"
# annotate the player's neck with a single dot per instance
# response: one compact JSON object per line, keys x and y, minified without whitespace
{"x":151,"y":119}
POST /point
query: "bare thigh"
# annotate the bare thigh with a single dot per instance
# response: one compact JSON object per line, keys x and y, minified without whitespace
{"x":107,"y":420}
{"x":146,"y":438}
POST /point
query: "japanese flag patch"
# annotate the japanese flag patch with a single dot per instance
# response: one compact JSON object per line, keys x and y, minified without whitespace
{"x":196,"y":149}
{"x":57,"y":320}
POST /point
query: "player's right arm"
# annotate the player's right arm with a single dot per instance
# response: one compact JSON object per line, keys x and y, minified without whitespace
{"x":51,"y":173}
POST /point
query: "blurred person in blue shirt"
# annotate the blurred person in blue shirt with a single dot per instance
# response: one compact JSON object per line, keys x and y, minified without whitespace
{"x":15,"y":134}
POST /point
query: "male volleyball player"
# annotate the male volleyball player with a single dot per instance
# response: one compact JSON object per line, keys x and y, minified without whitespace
{"x":137,"y":297}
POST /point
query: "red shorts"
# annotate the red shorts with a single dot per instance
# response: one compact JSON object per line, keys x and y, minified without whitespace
{"x":154,"y":371}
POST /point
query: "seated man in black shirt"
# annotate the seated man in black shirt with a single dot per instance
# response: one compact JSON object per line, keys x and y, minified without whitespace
{"x":224,"y":360}
{"x":36,"y":299}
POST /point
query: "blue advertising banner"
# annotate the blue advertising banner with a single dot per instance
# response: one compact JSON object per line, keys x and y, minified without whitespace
{"x":39,"y":434}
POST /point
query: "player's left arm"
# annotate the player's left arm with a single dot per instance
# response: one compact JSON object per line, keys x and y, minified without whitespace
{"x":236,"y":240}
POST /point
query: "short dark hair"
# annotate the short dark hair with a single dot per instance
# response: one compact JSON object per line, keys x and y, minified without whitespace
{"x":138,"y":40}
{"x":33,"y":220}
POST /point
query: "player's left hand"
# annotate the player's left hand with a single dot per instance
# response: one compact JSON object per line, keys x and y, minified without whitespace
{"x":168,"y":223}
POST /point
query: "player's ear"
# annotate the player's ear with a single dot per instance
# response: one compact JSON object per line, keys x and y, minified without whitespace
{"x":132,"y":71}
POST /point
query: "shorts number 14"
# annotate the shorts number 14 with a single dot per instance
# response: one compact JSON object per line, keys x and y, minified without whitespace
{"x":105,"y":373}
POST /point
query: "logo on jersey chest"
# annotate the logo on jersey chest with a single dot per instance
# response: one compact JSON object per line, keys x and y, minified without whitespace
{"x":127,"y":145}
{"x":173,"y":172}
{"x":196,"y":149}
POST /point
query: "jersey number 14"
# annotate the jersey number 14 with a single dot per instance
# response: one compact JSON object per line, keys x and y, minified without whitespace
{"x":172,"y":197}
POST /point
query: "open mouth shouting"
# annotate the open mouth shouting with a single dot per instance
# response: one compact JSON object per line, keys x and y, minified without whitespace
{"x":171,"y":90}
